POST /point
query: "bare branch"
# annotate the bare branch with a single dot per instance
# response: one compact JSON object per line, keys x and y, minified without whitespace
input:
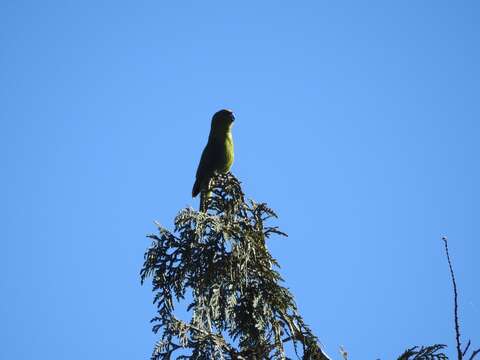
{"x":455,"y":300}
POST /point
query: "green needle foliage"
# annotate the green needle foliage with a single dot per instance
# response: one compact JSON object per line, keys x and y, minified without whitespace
{"x":433,"y":352}
{"x":239,"y":310}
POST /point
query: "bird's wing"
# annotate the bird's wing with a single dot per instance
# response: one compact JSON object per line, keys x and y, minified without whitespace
{"x":205,"y":169}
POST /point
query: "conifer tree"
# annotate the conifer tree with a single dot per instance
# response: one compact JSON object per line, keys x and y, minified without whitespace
{"x":218,"y":262}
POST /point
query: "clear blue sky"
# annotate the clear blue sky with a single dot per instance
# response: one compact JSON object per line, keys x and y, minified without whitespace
{"x":357,"y":121}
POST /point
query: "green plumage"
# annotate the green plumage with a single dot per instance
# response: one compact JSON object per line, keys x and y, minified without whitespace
{"x":217,"y":157}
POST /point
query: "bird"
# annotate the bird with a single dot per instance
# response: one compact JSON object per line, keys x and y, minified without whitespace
{"x":217,"y":156}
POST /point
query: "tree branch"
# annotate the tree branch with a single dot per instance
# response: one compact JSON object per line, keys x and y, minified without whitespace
{"x":455,"y":299}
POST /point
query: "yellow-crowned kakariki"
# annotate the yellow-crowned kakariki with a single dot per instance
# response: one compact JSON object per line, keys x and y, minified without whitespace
{"x":217,"y":157}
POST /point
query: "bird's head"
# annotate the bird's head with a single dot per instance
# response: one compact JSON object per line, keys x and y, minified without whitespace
{"x":222,"y":120}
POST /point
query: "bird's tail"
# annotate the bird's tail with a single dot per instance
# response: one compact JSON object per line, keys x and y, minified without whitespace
{"x":199,"y":188}
{"x":203,"y":201}
{"x":196,"y":188}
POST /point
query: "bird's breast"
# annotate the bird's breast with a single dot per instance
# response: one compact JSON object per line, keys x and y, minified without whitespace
{"x":228,"y":151}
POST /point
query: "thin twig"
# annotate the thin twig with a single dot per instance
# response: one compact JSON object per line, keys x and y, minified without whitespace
{"x":455,"y":298}
{"x":475,"y":353}
{"x":466,"y":348}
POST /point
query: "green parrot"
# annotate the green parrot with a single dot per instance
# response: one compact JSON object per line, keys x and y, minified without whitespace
{"x":217,"y":157}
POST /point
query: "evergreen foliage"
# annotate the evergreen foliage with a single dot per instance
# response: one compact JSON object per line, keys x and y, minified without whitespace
{"x":433,"y":352}
{"x":239,"y":309}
